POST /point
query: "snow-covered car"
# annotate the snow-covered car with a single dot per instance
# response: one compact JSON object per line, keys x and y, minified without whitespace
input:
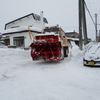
{"x":92,"y":55}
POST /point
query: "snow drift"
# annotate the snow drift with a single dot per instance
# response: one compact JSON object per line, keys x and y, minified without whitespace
{"x":24,"y":79}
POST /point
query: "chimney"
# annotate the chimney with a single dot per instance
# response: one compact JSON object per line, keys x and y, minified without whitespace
{"x":41,"y":19}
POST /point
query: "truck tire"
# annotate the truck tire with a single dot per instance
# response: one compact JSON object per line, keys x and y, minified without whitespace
{"x":62,"y":54}
{"x":65,"y":51}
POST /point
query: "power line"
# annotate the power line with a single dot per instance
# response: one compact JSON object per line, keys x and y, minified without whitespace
{"x":89,"y":12}
{"x":94,"y":6}
{"x":91,"y":6}
{"x":70,"y":27}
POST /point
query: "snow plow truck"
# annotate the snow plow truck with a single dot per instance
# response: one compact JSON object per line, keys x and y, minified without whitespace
{"x":51,"y":44}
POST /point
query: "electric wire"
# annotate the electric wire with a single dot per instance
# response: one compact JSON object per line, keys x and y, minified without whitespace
{"x":91,"y":6}
{"x":94,"y":6}
{"x":89,"y":13}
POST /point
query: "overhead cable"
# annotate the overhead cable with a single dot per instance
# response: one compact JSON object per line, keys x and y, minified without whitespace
{"x":89,"y":13}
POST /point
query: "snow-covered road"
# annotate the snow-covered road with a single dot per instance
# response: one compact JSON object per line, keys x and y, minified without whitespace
{"x":24,"y":79}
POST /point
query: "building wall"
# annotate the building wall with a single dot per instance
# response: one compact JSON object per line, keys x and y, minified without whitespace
{"x":72,"y":35}
{"x":27,"y":21}
{"x":27,"y":40}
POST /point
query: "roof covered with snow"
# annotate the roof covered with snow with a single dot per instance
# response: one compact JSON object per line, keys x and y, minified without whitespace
{"x":21,"y":29}
{"x":35,"y":16}
{"x":73,"y":39}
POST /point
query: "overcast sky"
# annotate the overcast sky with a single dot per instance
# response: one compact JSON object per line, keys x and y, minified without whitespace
{"x":62,"y":12}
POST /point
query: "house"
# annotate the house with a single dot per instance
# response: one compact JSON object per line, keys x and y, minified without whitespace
{"x":0,"y":38}
{"x":72,"y":34}
{"x":17,"y":31}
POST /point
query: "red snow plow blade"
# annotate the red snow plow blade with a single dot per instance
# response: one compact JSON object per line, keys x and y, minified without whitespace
{"x":46,"y":47}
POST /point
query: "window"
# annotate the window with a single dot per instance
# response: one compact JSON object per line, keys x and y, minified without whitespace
{"x":19,"y":41}
{"x":37,"y":17}
{"x":15,"y":26}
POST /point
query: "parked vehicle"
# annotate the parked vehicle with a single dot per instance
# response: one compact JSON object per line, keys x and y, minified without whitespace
{"x":92,"y":55}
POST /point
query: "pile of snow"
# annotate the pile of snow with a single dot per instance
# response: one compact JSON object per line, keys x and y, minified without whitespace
{"x":24,"y":79}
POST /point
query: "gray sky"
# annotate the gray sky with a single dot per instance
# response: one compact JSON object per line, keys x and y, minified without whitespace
{"x":62,"y":12}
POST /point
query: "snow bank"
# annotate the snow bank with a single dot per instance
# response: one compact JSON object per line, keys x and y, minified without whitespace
{"x":9,"y":55}
{"x":24,"y":79}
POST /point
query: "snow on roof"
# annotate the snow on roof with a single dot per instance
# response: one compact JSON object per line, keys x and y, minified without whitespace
{"x":71,"y":31}
{"x":67,"y":31}
{"x":35,"y":16}
{"x":73,"y":39}
{"x":20,"y":29}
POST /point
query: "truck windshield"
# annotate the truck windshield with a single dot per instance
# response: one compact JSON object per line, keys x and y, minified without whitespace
{"x":55,"y":30}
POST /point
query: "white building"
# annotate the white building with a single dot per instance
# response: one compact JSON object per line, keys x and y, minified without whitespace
{"x":17,"y":31}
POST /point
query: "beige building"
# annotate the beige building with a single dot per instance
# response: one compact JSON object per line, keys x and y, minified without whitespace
{"x":72,"y":34}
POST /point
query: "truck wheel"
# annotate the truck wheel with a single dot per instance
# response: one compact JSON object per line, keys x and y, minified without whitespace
{"x":62,"y":54}
{"x":65,"y":51}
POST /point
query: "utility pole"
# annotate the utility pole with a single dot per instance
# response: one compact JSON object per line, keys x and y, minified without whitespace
{"x":80,"y":25}
{"x":99,"y":36}
{"x":96,"y":26}
{"x":84,"y":23}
